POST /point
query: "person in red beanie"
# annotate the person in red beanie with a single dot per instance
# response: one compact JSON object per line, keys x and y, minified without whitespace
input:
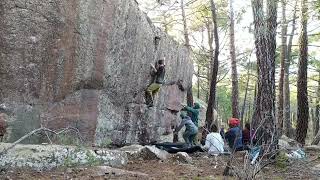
{"x":234,"y":135}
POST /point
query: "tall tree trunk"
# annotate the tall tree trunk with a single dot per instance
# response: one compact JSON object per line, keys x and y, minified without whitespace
{"x":302,"y":89}
{"x":249,"y":114}
{"x":189,"y":96}
{"x":214,"y":72}
{"x":316,"y":139}
{"x":199,"y":68}
{"x":187,"y":44}
{"x":283,"y":59}
{"x":165,"y":23}
{"x":245,"y":94}
{"x":311,"y":117}
{"x":265,"y":41}
{"x":244,"y":100}
{"x":210,"y":64}
{"x":286,"y":88}
{"x":235,"y":90}
{"x":317,"y":118}
{"x":198,"y":83}
{"x":185,"y":27}
{"x":259,"y":26}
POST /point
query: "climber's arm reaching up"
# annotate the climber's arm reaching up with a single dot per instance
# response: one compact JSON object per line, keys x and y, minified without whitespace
{"x":153,"y":69}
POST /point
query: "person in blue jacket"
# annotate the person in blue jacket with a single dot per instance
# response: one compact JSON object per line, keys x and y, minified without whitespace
{"x":234,"y":135}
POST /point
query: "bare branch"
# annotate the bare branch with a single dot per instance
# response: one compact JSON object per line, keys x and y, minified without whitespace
{"x":43,"y":129}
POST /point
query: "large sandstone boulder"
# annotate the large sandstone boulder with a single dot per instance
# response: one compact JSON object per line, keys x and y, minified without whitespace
{"x":40,"y":157}
{"x":135,"y":152}
{"x":85,"y":64}
{"x":287,"y":143}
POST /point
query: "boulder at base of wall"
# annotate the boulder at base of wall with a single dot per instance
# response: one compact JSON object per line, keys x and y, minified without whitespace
{"x":135,"y":152}
{"x":287,"y":143}
{"x":46,"y":157}
{"x":182,"y":157}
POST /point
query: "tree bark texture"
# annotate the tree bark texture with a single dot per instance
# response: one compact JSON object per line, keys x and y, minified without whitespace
{"x":287,"y":126}
{"x":283,"y":59}
{"x":235,"y":89}
{"x":265,"y":42}
{"x":185,"y":27}
{"x":302,"y":91}
{"x":316,"y":139}
{"x":212,"y":96}
{"x":210,"y":64}
{"x":317,"y":118}
{"x":198,"y":83}
{"x":245,"y":96}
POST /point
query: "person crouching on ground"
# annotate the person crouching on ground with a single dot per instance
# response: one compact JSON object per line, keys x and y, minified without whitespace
{"x":191,"y":129}
{"x":214,"y":142}
{"x":234,"y":135}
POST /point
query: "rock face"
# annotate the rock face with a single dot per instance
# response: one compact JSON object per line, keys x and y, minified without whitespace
{"x":86,"y":64}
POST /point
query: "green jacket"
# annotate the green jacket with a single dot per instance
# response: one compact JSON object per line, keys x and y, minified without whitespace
{"x":195,"y":111}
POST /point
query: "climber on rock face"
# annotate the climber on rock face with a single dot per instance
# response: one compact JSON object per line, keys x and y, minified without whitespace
{"x":3,"y":126}
{"x":158,"y":73}
{"x":191,"y":129}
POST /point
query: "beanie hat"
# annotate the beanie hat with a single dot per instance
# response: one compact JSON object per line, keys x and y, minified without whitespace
{"x":234,"y":122}
{"x":196,"y":105}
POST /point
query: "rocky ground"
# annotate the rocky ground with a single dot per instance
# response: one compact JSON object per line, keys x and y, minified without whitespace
{"x":200,"y":167}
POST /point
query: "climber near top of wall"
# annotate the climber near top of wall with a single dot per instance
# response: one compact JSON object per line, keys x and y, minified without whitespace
{"x":158,"y":72}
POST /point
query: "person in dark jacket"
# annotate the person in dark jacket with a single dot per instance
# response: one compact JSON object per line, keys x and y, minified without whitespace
{"x":158,"y":72}
{"x":246,"y":134}
{"x":222,"y":133}
{"x":194,"y":115}
{"x":194,"y":112}
{"x":234,"y":135}
{"x":190,"y":131}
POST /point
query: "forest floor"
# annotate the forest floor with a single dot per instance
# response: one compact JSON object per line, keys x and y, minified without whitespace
{"x":202,"y":167}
